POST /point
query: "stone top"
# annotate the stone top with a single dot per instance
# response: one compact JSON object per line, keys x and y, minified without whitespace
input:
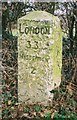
{"x":39,"y":16}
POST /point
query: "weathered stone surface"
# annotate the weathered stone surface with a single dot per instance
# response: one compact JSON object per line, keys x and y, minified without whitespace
{"x":39,"y":56}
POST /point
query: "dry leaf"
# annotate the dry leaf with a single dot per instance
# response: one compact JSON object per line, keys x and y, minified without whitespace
{"x":9,"y":102}
{"x":52,"y":115}
{"x":33,"y":113}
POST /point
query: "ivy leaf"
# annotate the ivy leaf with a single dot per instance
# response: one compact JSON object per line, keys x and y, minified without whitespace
{"x":37,"y":108}
{"x":62,"y":117}
{"x":56,"y":116}
{"x":47,"y":115}
{"x":73,"y":117}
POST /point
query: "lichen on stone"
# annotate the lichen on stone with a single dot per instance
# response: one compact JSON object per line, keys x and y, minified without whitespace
{"x":39,"y":58}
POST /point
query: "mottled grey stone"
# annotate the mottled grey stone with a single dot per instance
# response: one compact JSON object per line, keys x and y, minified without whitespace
{"x":39,"y":57}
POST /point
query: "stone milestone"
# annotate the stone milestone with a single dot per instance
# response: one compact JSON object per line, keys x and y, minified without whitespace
{"x":39,"y":57}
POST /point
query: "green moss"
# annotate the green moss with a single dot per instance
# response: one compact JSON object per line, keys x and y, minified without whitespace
{"x":57,"y":50}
